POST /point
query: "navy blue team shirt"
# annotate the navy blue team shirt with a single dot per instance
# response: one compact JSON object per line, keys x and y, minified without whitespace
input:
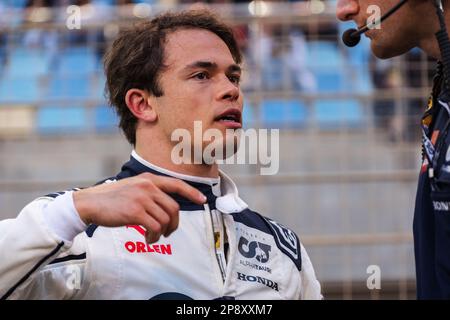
{"x":432,"y":212}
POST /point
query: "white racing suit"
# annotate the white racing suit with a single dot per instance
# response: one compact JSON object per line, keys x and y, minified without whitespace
{"x":221,"y":250}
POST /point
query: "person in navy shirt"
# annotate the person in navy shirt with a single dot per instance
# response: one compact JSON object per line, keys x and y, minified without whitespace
{"x":419,"y":23}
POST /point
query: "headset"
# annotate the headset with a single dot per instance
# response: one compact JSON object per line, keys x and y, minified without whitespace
{"x":351,"y":38}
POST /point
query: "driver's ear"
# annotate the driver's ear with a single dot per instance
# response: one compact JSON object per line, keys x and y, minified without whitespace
{"x":141,"y":105}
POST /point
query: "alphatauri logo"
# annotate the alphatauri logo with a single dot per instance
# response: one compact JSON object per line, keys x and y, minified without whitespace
{"x":254,"y":249}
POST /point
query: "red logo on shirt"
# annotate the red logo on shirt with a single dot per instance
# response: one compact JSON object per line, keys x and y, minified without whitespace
{"x":142,"y":247}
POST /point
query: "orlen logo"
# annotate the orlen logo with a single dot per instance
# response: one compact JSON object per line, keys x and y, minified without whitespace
{"x":254,"y":249}
{"x":142,"y":247}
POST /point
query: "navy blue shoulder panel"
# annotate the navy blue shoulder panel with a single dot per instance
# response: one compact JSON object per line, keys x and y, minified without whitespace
{"x":286,"y":240}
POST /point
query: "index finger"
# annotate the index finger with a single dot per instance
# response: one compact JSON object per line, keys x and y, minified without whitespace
{"x":172,"y":185}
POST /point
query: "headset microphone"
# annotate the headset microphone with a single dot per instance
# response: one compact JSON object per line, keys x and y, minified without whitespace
{"x":351,"y":37}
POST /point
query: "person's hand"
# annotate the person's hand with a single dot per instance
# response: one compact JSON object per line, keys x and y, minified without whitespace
{"x":140,"y":200}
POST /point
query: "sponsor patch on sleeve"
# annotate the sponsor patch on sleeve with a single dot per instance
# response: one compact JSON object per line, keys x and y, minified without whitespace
{"x":287,"y":241}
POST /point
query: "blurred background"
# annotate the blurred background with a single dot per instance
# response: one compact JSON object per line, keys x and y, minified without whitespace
{"x":349,"y":125}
